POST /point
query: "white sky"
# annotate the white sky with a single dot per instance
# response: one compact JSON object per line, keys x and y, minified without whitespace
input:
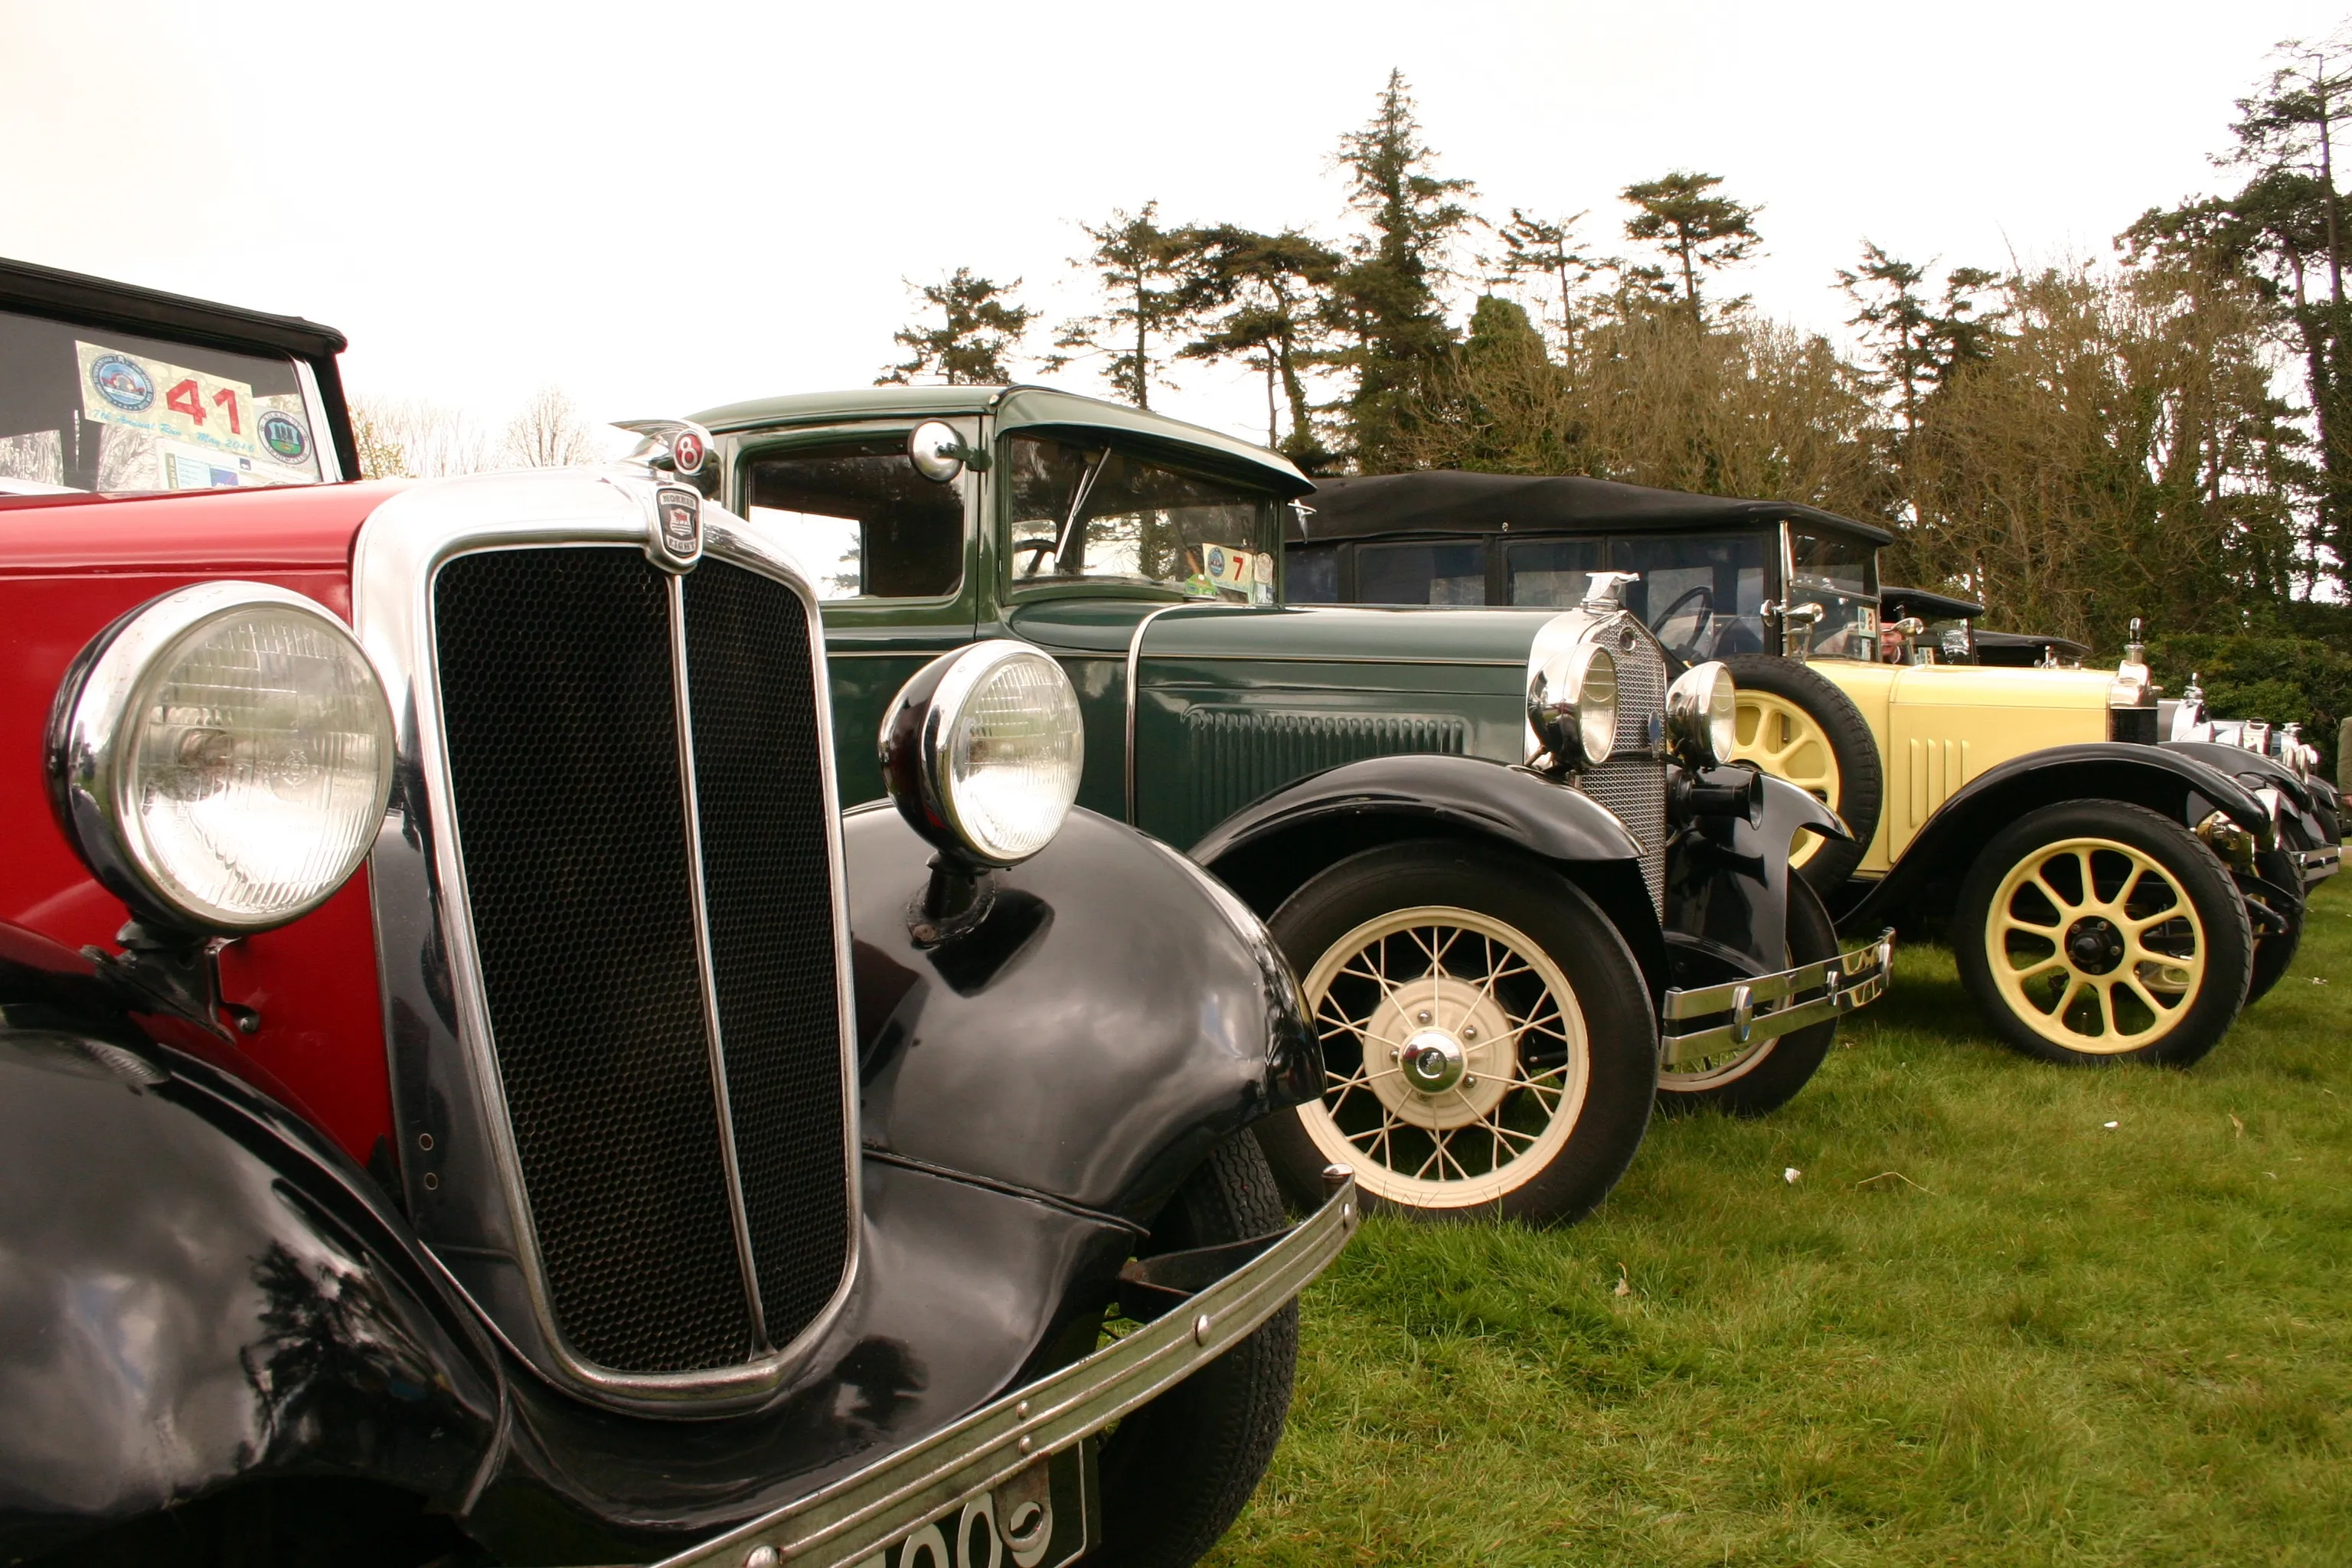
{"x":660,"y":208}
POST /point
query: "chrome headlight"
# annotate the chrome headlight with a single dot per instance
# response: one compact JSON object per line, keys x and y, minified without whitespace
{"x":983,"y":750}
{"x":1572,"y":704}
{"x":222,"y":757}
{"x":1701,"y":714}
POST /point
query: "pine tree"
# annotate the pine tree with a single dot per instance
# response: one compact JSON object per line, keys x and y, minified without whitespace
{"x":1533,"y":247}
{"x":1136,"y":262}
{"x":1386,"y":299}
{"x":1696,"y":229}
{"x":1263,"y":299}
{"x":979,"y":327}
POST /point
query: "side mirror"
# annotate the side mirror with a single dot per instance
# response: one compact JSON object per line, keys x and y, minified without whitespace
{"x":938,"y":453}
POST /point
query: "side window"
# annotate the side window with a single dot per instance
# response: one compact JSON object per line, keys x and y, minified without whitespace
{"x":1702,"y":594}
{"x":1554,"y":571}
{"x":1429,"y":574}
{"x":859,"y":520}
{"x":1840,"y":573}
{"x":1314,"y":573}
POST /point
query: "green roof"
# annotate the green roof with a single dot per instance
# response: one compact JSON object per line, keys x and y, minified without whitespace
{"x":1015,"y":406}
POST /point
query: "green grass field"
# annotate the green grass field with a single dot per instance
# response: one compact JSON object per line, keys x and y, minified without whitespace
{"x":1982,"y":1325}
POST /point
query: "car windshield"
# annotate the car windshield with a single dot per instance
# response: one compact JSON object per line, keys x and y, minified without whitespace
{"x":1085,"y":512}
{"x":1838,"y":573}
{"x":858,"y":520}
{"x":1701,"y":593}
{"x":90,"y":408}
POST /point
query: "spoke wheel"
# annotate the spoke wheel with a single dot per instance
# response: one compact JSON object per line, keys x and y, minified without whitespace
{"x":1794,"y":723}
{"x":1489,"y":1044}
{"x":1784,"y":741}
{"x":1763,"y":1076}
{"x":1453,"y":1051}
{"x":2096,"y":930}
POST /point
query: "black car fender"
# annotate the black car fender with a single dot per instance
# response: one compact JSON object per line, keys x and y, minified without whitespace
{"x":1926,"y":881}
{"x":1110,"y":1016}
{"x":2312,"y":807}
{"x":1728,"y":882}
{"x":200,"y":1289}
{"x":1270,"y":849}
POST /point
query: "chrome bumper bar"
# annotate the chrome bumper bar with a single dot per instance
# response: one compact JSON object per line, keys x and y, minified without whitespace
{"x":847,"y":1522}
{"x":2318,"y":865}
{"x":1747,"y":1011}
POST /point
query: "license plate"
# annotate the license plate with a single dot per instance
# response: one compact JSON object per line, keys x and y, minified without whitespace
{"x":1037,"y":1519}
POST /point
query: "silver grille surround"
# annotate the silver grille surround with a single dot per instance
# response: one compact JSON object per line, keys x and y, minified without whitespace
{"x":429,"y":974}
{"x":1631,"y":785}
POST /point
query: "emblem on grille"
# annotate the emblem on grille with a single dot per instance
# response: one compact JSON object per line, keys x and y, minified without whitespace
{"x":676,"y":540}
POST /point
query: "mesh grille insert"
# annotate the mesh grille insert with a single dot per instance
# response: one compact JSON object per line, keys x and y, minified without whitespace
{"x":562,"y":738}
{"x":758,"y":763}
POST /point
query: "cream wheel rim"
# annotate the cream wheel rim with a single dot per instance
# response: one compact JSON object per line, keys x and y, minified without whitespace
{"x":1455,"y":1058}
{"x":2095,"y":946}
{"x":1784,"y":741}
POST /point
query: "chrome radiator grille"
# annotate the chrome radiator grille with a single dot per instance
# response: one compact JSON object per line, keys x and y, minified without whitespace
{"x":634,"y":767}
{"x":1633,"y":783}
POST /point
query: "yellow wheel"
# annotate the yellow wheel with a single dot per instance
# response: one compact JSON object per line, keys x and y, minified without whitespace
{"x":1784,"y":741}
{"x":2095,"y":930}
{"x":1793,"y":722}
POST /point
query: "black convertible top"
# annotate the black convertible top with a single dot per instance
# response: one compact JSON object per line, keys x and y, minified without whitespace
{"x":1449,"y":500}
{"x":1895,"y":603}
{"x":35,"y":290}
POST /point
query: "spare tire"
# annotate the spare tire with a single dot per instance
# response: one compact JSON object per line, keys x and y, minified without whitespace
{"x":1797,"y":726}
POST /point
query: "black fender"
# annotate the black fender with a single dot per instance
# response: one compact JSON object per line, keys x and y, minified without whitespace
{"x":1268,"y":849}
{"x":200,"y":1289}
{"x":1032,"y":1095}
{"x":1926,"y":881}
{"x":1114,"y":1015}
{"x":1728,"y":883}
{"x":2314,"y":807}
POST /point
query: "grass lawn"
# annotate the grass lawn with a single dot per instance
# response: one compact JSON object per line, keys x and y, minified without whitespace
{"x":1982,"y":1325}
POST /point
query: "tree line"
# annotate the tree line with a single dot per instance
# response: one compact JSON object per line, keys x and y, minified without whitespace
{"x":2163,"y":433}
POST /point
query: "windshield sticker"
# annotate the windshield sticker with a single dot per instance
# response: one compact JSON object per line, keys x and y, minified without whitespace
{"x":284,"y":436}
{"x":208,"y":412}
{"x":1227,"y":568}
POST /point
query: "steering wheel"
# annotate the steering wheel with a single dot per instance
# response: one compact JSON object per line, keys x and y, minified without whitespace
{"x":1701,"y":598}
{"x":1037,"y":549}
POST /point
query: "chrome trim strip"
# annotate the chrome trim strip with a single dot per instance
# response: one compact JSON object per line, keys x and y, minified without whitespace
{"x":1134,"y":664}
{"x":1854,"y":979}
{"x":714,"y":1038}
{"x":2318,"y":865}
{"x":430,"y":981}
{"x":852,"y":1519}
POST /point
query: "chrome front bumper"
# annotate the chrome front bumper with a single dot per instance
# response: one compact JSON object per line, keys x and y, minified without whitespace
{"x":1709,"y":1020}
{"x":851,"y":1520}
{"x":2318,"y":865}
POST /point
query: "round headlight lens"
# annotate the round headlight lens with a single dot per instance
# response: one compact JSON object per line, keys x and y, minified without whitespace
{"x":1572,"y":705}
{"x":1701,"y":711}
{"x":229,"y":756}
{"x":989,"y":744}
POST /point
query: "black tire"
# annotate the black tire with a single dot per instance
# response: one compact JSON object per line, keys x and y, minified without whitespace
{"x":1770,"y":1078}
{"x":1177,"y":1473}
{"x":2182,"y":1031}
{"x":1862,"y":780}
{"x":1571,"y":1165}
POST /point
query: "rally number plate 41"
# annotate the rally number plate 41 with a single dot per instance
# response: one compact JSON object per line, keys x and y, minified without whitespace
{"x":1042,"y":1517}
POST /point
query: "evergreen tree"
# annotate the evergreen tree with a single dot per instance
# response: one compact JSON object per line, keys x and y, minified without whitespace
{"x":1532,"y":247}
{"x":1136,"y":262}
{"x":978,"y":329}
{"x":1386,"y":299}
{"x":1263,"y":299}
{"x":1697,"y":229}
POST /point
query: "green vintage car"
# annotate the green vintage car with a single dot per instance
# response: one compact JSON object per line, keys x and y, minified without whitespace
{"x":1514,"y":870}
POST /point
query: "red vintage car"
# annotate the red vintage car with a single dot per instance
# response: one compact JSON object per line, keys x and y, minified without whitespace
{"x":469,"y":1093}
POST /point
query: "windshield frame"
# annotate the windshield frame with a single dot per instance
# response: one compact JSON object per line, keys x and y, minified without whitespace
{"x":1104,"y":443}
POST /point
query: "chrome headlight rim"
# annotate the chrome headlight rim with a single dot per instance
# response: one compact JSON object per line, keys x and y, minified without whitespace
{"x":918,"y":740}
{"x":1702,"y":714}
{"x":1572,"y":704}
{"x":93,"y":735}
